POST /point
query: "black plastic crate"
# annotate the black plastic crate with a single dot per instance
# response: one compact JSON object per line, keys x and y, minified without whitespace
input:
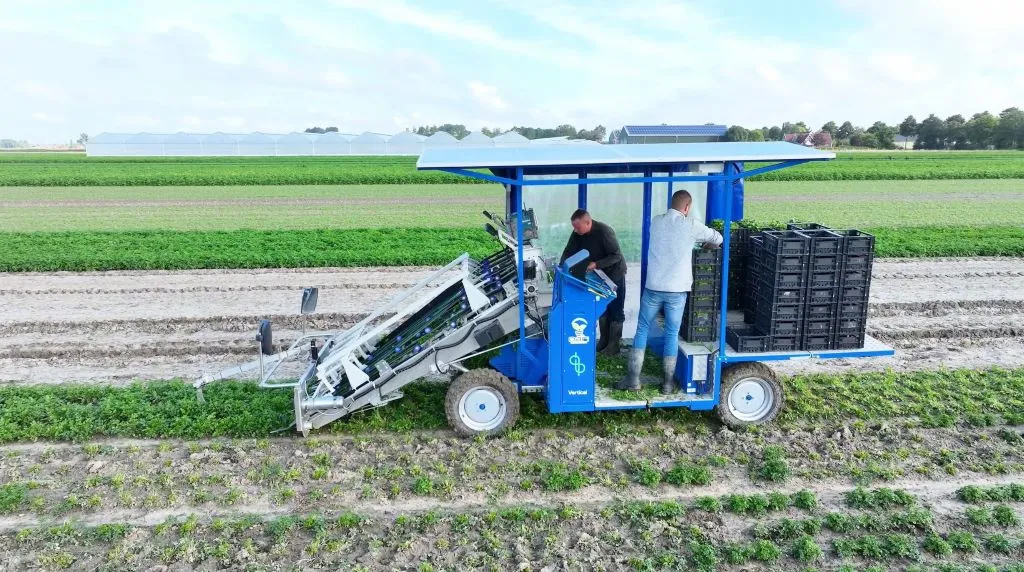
{"x":847,"y":323}
{"x":705,"y":256}
{"x":701,"y":302}
{"x":822,"y":295}
{"x":856,"y":277}
{"x":784,"y":343}
{"x":784,"y":280}
{"x":700,"y":317}
{"x":857,"y":242}
{"x":858,"y":261}
{"x":739,"y":239}
{"x":820,"y":327}
{"x":853,"y":308}
{"x":701,"y":333}
{"x":823,"y":242}
{"x":826,"y":263}
{"x":773,"y":296}
{"x":706,"y":287}
{"x":853,"y":293}
{"x":820,"y":311}
{"x":806,"y":226}
{"x":849,"y":339}
{"x":828,"y":279}
{"x":778,"y":327}
{"x":746,"y":339}
{"x":748,"y":316}
{"x":817,"y":342}
{"x":706,"y":271}
{"x":784,"y":312}
{"x":786,"y":242}
{"x":790,"y":263}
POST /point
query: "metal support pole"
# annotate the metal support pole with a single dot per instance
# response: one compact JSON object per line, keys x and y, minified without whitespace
{"x":517,"y":191}
{"x":581,"y":192}
{"x":645,"y":236}
{"x":729,"y":169}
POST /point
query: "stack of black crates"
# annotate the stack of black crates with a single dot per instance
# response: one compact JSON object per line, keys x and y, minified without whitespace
{"x":806,"y":290}
{"x":700,"y":317}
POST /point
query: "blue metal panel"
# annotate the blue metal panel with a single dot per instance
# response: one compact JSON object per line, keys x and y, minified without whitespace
{"x":581,"y":192}
{"x":523,"y":372}
{"x":692,"y":404}
{"x":729,"y":171}
{"x":572,"y":325}
{"x":645,"y":233}
{"x":624,"y":407}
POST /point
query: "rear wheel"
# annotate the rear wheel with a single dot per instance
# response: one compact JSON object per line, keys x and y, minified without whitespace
{"x":751,"y":395}
{"x":481,"y":402}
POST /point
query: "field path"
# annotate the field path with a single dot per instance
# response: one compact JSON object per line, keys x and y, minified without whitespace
{"x":112,"y":327}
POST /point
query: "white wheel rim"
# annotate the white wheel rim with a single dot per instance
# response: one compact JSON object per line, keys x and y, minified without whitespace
{"x":482,"y":408}
{"x":751,"y":399}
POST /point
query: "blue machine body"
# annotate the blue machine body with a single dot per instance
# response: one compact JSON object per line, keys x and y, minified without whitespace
{"x":562,"y":363}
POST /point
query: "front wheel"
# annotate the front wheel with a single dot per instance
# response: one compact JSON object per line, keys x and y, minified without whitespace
{"x":751,"y":395}
{"x":481,"y":402}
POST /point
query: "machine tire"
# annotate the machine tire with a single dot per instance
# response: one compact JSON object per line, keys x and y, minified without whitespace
{"x":760,"y":384}
{"x":480,"y":388}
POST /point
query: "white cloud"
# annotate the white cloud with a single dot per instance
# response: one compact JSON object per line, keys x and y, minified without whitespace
{"x":336,"y":79}
{"x":40,"y":116}
{"x":487,"y":95}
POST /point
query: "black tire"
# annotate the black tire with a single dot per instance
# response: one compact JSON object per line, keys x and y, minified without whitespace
{"x":757,"y":379}
{"x":485,"y":386}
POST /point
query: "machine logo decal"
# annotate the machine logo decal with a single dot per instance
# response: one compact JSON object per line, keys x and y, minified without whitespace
{"x":577,"y":364}
{"x":578,"y":392}
{"x":579,"y":325}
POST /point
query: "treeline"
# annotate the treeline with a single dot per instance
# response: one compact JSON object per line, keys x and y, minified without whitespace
{"x":981,"y":131}
{"x":459,"y":131}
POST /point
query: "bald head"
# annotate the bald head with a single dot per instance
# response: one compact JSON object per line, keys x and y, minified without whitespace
{"x":681,"y":201}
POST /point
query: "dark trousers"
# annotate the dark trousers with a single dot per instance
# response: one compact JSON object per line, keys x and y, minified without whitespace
{"x":616,"y":311}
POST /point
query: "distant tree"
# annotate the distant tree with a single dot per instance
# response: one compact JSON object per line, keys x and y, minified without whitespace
{"x":908,"y":129}
{"x":764,"y":133}
{"x":8,"y":143}
{"x":331,"y":130}
{"x":831,"y":128}
{"x":1009,"y":133}
{"x":861,"y":138}
{"x":931,"y":133}
{"x":822,"y":139}
{"x":755,"y":135}
{"x":775,"y":134}
{"x":845,"y":130}
{"x":492,"y":132}
{"x":83,"y":138}
{"x":455,"y":130}
{"x":736,"y":133}
{"x":617,"y":136}
{"x":956,"y":132}
{"x":981,"y":130}
{"x":315,"y":130}
{"x":884,"y":135}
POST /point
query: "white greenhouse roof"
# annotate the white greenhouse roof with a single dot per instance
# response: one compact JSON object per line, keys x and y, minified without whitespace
{"x":666,"y":153}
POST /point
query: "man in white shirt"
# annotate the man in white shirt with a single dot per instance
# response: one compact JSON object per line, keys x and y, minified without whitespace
{"x":669,"y":279}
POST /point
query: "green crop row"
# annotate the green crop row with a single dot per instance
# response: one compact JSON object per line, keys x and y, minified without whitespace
{"x":238,"y":409}
{"x":78,"y":170}
{"x":151,"y":250}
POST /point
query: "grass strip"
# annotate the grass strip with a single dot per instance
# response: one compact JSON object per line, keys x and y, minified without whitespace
{"x":173,"y":250}
{"x":39,"y":169}
{"x":239,"y":409}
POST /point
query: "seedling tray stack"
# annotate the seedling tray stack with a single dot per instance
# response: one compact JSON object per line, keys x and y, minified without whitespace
{"x":700,"y":317}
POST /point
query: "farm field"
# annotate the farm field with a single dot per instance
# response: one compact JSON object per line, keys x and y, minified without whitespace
{"x":107,"y":460}
{"x":285,"y":207}
{"x":65,"y":169}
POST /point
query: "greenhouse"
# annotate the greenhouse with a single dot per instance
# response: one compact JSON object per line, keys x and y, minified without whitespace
{"x":294,"y":144}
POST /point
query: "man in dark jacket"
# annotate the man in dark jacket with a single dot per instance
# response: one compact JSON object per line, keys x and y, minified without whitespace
{"x":599,"y":240}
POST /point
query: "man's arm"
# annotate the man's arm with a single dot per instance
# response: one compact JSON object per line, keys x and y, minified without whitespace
{"x":569,"y":250}
{"x":611,"y":246}
{"x":703,"y":233}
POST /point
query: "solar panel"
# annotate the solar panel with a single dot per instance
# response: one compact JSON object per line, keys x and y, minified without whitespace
{"x":676,"y":130}
{"x":653,"y":154}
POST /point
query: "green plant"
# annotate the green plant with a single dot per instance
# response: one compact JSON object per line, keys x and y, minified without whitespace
{"x":805,"y":499}
{"x":937,"y":546}
{"x":683,"y":474}
{"x":12,"y":496}
{"x":645,"y":473}
{"x":773,"y":467}
{"x":805,"y":549}
{"x":708,"y":504}
{"x":979,"y":516}
{"x":1004,"y":516}
{"x":962,"y":541}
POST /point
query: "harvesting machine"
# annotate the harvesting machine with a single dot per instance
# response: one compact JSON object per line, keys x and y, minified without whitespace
{"x":541,"y":317}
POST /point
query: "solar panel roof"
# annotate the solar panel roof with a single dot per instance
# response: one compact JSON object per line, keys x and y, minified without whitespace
{"x":676,"y":130}
{"x":576,"y":155}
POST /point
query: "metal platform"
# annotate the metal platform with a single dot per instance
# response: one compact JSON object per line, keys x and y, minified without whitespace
{"x":604,"y":401}
{"x":872,"y":348}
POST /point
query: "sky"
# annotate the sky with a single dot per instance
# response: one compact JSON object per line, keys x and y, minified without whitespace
{"x":125,"y":66}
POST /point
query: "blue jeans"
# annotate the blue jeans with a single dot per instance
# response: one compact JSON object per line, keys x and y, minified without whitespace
{"x":672,"y":304}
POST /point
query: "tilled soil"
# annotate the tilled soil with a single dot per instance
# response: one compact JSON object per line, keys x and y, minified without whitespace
{"x":546,"y":500}
{"x":113,"y":327}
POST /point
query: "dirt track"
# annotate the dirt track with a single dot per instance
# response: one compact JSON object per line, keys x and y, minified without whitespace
{"x":118,"y":326}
